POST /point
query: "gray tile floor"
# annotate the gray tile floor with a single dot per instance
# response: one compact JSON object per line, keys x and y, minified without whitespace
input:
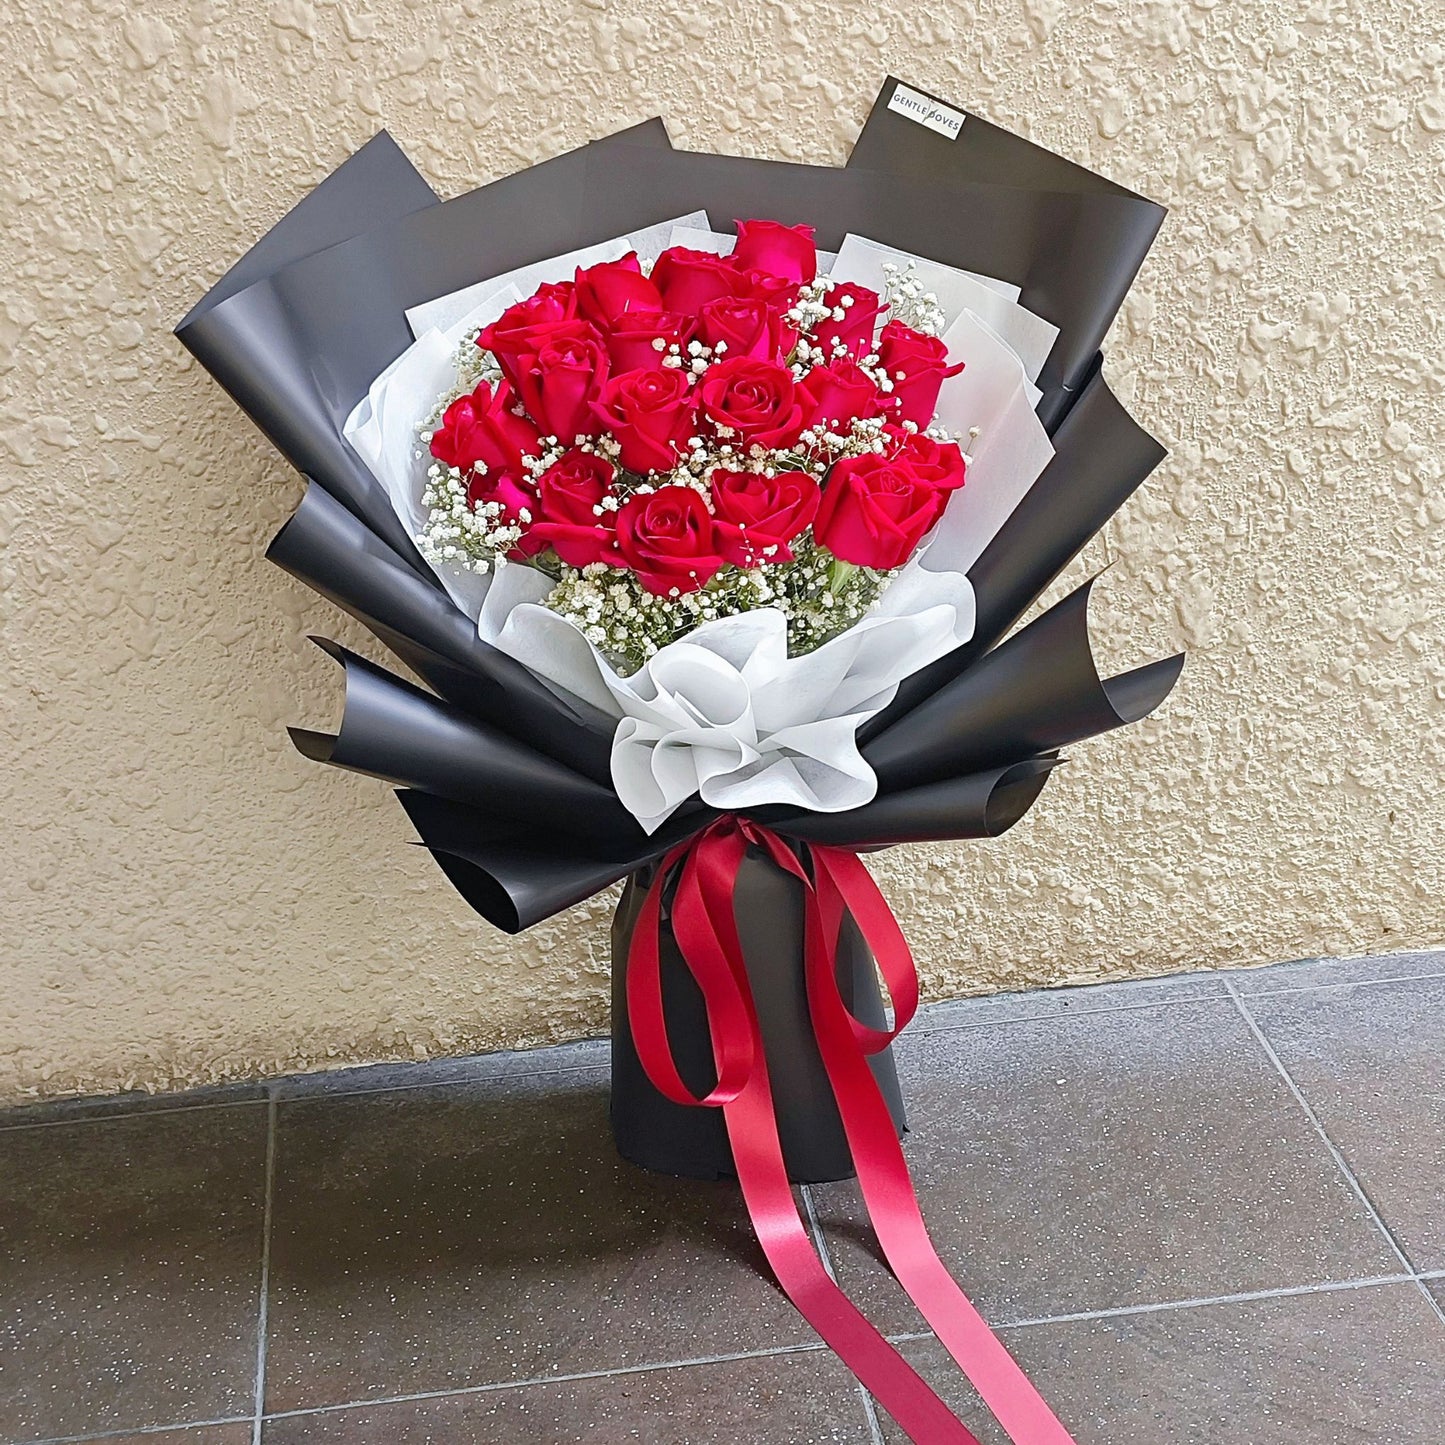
{"x":1202,"y":1209}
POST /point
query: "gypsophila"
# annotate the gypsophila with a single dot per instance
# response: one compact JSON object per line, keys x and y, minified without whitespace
{"x":819,"y":596}
{"x":909,"y":302}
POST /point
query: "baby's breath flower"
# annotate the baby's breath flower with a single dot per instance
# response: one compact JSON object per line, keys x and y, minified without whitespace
{"x":909,"y":302}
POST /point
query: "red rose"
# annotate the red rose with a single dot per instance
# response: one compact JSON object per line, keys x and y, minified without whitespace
{"x":852,"y":321}
{"x":611,"y":288}
{"x":776,"y":250}
{"x":484,"y":428}
{"x":875,"y":511}
{"x":507,"y":489}
{"x":838,"y":394}
{"x":551,"y":301}
{"x":515,"y":498}
{"x":917,"y":365}
{"x":523,"y":326}
{"x":572,"y":522}
{"x":756,"y":515}
{"x":560,"y":380}
{"x":668,"y":539}
{"x":752,"y":402}
{"x":631,"y":338}
{"x":651,"y":415}
{"x":940,"y":464}
{"x":747,"y":325}
{"x":690,"y":279}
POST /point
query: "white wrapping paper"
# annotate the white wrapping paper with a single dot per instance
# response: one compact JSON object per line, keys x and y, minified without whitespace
{"x":1030,"y":337}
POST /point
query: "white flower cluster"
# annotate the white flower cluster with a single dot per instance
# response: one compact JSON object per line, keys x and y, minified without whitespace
{"x":819,"y":596}
{"x":909,"y":302}
{"x":460,"y":535}
{"x":474,"y":364}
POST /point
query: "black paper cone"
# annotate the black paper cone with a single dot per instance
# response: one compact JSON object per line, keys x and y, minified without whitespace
{"x":673,"y":1139}
{"x":336,"y":554}
{"x":1035,"y":693}
{"x":395,"y":731}
{"x":376,"y":185}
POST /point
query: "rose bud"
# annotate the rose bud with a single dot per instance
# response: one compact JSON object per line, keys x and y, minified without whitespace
{"x":484,"y":429}
{"x":756,"y":515}
{"x":875,"y":511}
{"x":650,"y":413}
{"x":836,"y":395}
{"x":776,"y":250}
{"x":632,"y":338}
{"x":853,"y":320}
{"x":612,"y":288}
{"x":747,"y":326}
{"x":568,"y":495}
{"x":668,"y":540}
{"x":688,"y":280}
{"x":917,"y":365}
{"x":559,"y":383}
{"x":551,"y":301}
{"x":751,"y":403}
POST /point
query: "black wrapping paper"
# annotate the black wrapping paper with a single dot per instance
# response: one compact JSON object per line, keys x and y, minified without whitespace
{"x":376,"y":185}
{"x":981,"y":151}
{"x":333,"y":551}
{"x":1034,"y":694}
{"x":1098,"y":277}
{"x":298,"y":348}
{"x":506,"y":782}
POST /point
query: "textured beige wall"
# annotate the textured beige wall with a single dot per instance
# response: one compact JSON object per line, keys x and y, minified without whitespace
{"x":186,"y":899}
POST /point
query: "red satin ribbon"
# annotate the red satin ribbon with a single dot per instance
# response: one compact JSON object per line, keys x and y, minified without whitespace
{"x":705,"y":927}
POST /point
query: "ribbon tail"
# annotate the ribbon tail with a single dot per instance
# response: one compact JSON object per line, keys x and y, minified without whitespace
{"x":753,"y":1133}
{"x":705,"y":924}
{"x":883,"y":1176}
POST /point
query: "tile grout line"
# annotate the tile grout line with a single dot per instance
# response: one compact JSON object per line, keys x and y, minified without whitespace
{"x":499,"y":1386}
{"x":1333,"y":987}
{"x":820,"y":1241}
{"x":263,"y":1308}
{"x":324,"y":1095}
{"x":1340,"y":1162}
{"x":1289,"y":1292}
{"x":277,"y":1090}
{"x":1293,"y":1291}
{"x":923,"y":1029}
{"x":102,"y":1115}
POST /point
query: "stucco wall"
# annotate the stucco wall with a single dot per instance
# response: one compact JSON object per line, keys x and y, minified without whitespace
{"x":186,"y":899}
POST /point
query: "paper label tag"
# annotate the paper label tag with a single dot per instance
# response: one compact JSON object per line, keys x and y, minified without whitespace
{"x":941,"y":118}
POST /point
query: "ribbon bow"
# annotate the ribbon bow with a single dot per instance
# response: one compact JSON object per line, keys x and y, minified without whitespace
{"x":835,"y":883}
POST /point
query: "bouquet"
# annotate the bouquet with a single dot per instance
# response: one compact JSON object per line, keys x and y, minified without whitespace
{"x":706,"y":545}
